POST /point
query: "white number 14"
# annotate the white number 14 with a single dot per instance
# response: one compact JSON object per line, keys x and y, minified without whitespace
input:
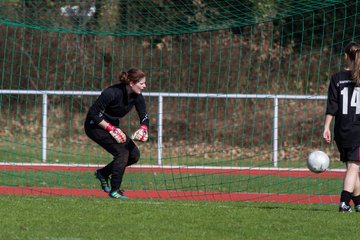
{"x":355,"y":100}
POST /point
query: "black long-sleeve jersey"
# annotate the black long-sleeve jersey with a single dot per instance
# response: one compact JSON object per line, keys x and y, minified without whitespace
{"x":114,"y":103}
{"x":344,"y":104}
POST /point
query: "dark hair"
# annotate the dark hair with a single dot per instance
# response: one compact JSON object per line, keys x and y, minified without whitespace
{"x":132,"y":75}
{"x":353,"y":51}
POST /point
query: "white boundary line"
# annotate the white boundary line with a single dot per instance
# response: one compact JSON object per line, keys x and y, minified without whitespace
{"x":163,"y":166}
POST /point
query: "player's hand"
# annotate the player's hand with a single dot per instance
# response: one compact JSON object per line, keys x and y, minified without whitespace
{"x":327,"y":135}
{"x":116,"y":133}
{"x":141,"y":134}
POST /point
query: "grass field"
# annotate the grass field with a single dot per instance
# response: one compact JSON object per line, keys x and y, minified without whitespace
{"x":88,"y":217}
{"x":75,"y":218}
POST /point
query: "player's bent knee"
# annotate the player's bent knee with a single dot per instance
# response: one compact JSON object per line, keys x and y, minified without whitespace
{"x":134,"y":157}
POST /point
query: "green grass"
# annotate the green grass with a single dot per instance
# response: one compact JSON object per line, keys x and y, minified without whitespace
{"x":34,"y":217}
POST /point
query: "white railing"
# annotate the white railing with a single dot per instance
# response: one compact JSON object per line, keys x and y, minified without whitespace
{"x":160,"y":96}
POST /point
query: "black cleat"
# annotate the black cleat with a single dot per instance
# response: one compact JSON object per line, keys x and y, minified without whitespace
{"x":357,"y":208}
{"x":343,"y":207}
{"x":103,"y":181}
{"x":119,"y":194}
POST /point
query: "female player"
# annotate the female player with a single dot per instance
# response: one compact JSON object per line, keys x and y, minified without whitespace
{"x":102,"y":126}
{"x":343,"y":103}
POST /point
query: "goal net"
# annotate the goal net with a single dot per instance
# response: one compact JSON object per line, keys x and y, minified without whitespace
{"x":235,"y":91}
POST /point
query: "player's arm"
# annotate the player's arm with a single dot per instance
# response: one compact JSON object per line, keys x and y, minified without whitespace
{"x":142,"y":133}
{"x":96,"y":114}
{"x":332,"y":109}
{"x":98,"y":108}
{"x":327,"y":130}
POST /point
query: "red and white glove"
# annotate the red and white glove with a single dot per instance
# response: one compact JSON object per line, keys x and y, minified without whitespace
{"x":116,"y":133}
{"x":141,"y":134}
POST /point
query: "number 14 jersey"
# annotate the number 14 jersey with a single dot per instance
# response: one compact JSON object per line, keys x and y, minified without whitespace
{"x":343,"y":103}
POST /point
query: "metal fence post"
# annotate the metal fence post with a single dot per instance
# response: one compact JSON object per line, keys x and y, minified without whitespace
{"x":160,"y":128}
{"x":44,"y":127}
{"x":275,"y":130}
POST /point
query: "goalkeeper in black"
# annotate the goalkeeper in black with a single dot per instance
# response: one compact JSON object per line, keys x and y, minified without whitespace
{"x":343,"y":103}
{"x":102,"y":126}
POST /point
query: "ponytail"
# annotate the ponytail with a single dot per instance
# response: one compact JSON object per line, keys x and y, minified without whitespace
{"x":133,"y":75}
{"x":123,"y":78}
{"x":356,"y":69}
{"x":353,"y":52}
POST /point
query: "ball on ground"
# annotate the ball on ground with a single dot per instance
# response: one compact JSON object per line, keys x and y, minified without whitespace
{"x":318,"y":161}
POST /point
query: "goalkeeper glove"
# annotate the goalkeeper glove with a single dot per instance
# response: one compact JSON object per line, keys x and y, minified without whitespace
{"x":141,"y":134}
{"x":116,"y":133}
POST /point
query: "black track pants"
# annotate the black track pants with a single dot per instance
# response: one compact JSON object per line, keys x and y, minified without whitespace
{"x":125,"y":154}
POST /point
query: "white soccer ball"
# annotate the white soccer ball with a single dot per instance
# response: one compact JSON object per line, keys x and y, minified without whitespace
{"x":318,"y":161}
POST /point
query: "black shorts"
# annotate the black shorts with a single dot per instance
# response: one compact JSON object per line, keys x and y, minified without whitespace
{"x":349,"y":153}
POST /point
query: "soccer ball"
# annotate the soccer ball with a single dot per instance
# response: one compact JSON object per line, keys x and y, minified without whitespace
{"x":318,"y":161}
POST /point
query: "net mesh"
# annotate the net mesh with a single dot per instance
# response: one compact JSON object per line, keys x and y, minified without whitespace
{"x":147,"y":17}
{"x":235,"y":93}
